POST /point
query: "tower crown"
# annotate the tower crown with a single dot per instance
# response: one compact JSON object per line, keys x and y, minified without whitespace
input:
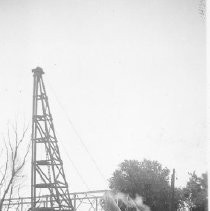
{"x":38,"y":71}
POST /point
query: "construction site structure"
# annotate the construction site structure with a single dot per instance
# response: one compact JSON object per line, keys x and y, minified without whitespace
{"x":49,"y":188}
{"x":47,"y":173}
{"x":88,"y":201}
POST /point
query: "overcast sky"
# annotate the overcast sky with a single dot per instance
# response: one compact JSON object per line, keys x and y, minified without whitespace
{"x":130,"y":74}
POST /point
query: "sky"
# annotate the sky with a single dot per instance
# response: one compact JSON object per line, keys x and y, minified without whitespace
{"x":129,"y":74}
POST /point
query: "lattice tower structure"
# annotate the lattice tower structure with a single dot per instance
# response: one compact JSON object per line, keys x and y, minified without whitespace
{"x":47,"y":173}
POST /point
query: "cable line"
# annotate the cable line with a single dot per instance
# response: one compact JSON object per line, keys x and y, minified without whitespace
{"x":81,"y":177}
{"x":77,"y":134}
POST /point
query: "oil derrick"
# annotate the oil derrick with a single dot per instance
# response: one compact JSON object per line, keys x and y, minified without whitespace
{"x":47,"y":174}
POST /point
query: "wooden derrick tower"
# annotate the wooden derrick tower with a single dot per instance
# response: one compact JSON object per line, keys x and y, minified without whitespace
{"x":47,"y":173}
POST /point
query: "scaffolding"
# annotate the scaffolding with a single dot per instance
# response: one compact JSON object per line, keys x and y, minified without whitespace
{"x":82,"y":201}
{"x":47,"y":173}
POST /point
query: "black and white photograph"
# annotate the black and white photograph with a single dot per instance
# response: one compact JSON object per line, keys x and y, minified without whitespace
{"x":103,"y":105}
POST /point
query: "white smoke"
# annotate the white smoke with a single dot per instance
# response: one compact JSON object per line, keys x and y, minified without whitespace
{"x":111,"y":202}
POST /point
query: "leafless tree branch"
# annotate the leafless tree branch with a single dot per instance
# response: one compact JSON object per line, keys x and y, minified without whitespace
{"x":12,"y":173}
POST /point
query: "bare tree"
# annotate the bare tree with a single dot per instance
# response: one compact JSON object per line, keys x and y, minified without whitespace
{"x":12,"y":159}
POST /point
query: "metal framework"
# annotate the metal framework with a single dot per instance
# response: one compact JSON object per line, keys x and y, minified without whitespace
{"x":82,"y":201}
{"x":47,"y":174}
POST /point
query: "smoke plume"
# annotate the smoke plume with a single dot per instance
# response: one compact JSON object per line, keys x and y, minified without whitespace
{"x":111,"y":202}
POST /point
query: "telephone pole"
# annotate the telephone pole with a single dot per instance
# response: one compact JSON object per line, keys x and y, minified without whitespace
{"x":172,"y":190}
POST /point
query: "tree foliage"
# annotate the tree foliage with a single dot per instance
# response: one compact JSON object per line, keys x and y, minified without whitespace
{"x":195,"y":192}
{"x":148,"y":179}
